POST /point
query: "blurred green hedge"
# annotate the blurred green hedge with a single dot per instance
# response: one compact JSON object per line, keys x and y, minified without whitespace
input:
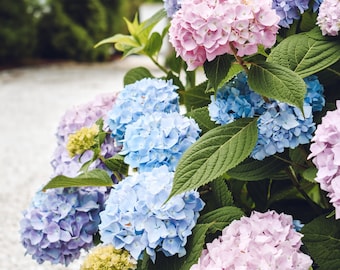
{"x":61,"y":29}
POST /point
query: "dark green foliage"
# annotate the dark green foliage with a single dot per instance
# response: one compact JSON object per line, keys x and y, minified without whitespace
{"x":17,"y":31}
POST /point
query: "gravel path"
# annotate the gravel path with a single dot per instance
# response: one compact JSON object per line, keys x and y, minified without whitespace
{"x":32,"y":100}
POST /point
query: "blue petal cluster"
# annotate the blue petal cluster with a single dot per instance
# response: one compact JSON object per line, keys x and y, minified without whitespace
{"x":171,"y":6}
{"x":143,"y":97}
{"x":158,"y":139}
{"x":316,"y":4}
{"x":283,"y":126}
{"x":289,"y":10}
{"x":235,"y":100}
{"x":61,"y":222}
{"x":279,"y":125}
{"x":136,"y":219}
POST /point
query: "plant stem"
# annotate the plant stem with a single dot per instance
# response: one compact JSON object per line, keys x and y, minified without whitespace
{"x":239,"y":59}
{"x":158,"y":65}
{"x":291,"y":173}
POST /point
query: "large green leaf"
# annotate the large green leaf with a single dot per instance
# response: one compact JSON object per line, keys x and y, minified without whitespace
{"x":136,"y":74}
{"x":306,"y":54}
{"x":322,"y":240}
{"x":202,"y":118}
{"x":95,"y":177}
{"x":153,"y":45}
{"x":217,"y":69}
{"x":117,"y":164}
{"x":221,"y":193}
{"x":254,"y":170}
{"x":277,"y":82}
{"x":216,"y":152}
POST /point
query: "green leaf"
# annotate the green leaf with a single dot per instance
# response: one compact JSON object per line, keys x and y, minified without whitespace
{"x":277,"y":82}
{"x":254,"y":170}
{"x":234,"y":69}
{"x":95,"y":177}
{"x":117,"y":164}
{"x":195,"y":244}
{"x":217,"y":69}
{"x":125,"y":40}
{"x":153,"y":44}
{"x":306,"y":53}
{"x":220,"y":217}
{"x":222,"y":195}
{"x":209,"y":223}
{"x":136,"y":74}
{"x":322,"y":240}
{"x":147,"y":25}
{"x":216,"y":152}
{"x":196,"y":97}
{"x":202,"y":118}
{"x":310,"y":174}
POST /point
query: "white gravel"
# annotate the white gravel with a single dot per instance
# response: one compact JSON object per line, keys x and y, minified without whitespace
{"x":32,"y":100}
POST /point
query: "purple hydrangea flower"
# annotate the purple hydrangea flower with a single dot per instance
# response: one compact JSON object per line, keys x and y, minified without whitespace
{"x":158,"y":139}
{"x":316,"y":4}
{"x":74,"y":119}
{"x":289,"y":10}
{"x":61,"y":222}
{"x":235,"y":100}
{"x":140,"y":98}
{"x":136,"y":219}
{"x":171,"y":6}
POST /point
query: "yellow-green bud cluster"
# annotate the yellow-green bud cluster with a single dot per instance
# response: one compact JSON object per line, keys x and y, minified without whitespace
{"x":108,"y":258}
{"x":82,"y":140}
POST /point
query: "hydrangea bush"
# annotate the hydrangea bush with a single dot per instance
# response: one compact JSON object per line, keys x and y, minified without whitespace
{"x":227,"y":159}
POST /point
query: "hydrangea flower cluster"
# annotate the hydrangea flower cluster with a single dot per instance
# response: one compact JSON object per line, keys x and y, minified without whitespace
{"x":316,"y":4}
{"x":279,"y":125}
{"x":140,"y":98}
{"x":325,"y":151}
{"x":329,"y":17}
{"x":289,"y":10}
{"x":106,"y":257}
{"x":202,"y":30}
{"x":75,"y":119}
{"x":158,"y":139}
{"x":136,"y":218}
{"x":171,"y":6}
{"x":235,"y":100}
{"x":84,"y":115}
{"x":261,"y":241}
{"x":82,"y":140}
{"x":284,"y":126}
{"x":61,"y":222}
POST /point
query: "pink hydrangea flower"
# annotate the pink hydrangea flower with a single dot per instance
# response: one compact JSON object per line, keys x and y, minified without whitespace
{"x":325,"y":151}
{"x":203,"y":29}
{"x":329,"y":17}
{"x":261,"y":241}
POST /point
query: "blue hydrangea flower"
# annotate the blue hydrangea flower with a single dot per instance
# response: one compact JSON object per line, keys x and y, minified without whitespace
{"x":61,"y":222}
{"x":297,"y":225}
{"x":289,"y":10}
{"x":136,"y":219}
{"x":158,"y":139}
{"x":140,"y":98}
{"x":171,"y":6}
{"x":279,"y":125}
{"x":283,"y":126}
{"x":235,"y":100}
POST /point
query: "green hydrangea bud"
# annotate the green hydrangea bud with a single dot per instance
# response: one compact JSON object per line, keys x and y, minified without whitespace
{"x":82,"y":140}
{"x":108,"y":258}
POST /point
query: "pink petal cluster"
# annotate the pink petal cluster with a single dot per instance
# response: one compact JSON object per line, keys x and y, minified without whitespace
{"x":325,"y":151}
{"x":329,"y":17}
{"x":262,"y":241}
{"x":204,"y":29}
